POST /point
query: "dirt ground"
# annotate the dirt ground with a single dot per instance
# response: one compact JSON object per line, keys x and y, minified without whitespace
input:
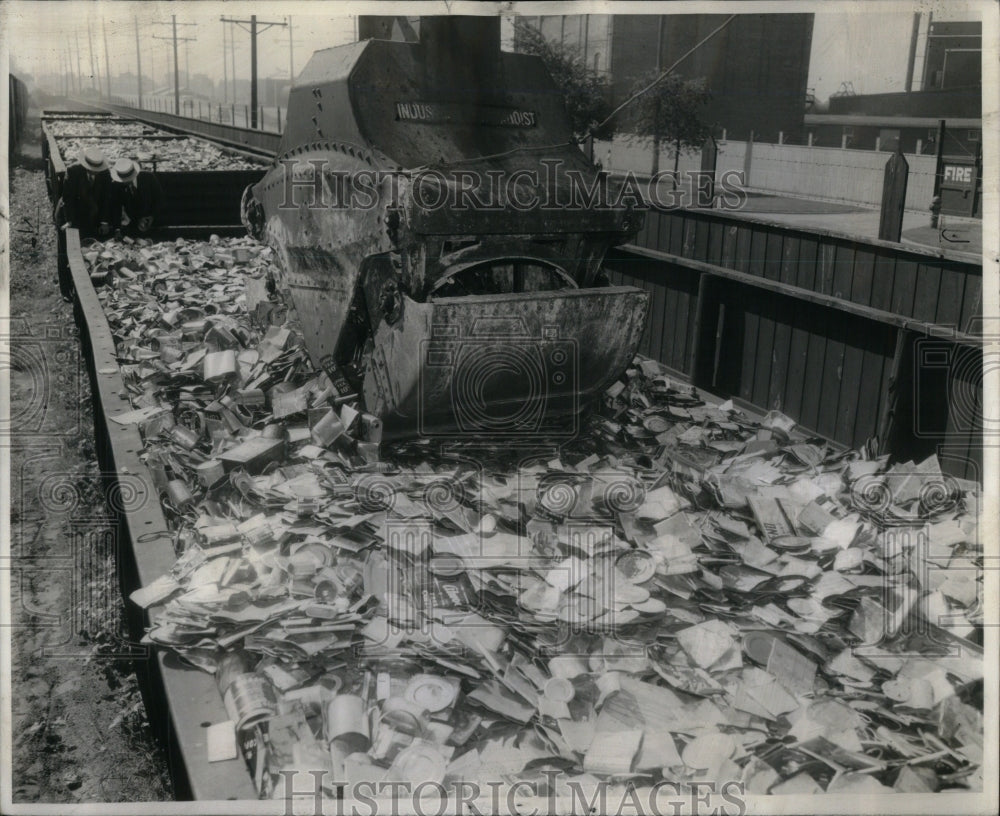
{"x":80,"y":732}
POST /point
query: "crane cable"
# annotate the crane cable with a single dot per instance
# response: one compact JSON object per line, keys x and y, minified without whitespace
{"x":593,"y":128}
{"x":660,"y":78}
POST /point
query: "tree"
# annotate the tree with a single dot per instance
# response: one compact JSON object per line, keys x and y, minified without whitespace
{"x":585,"y":91}
{"x":671,"y":111}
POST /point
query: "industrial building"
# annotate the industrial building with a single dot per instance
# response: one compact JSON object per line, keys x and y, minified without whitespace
{"x":950,"y":88}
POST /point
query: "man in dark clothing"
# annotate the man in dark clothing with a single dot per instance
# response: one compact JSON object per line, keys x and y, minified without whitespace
{"x":86,"y":195}
{"x":85,"y":205}
{"x":137,"y":196}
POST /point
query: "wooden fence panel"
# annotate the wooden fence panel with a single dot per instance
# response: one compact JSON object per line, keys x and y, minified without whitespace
{"x":908,"y":281}
{"x":862,"y":275}
{"x":673,"y":305}
{"x":904,"y":285}
{"x":950,"y":295}
{"x":777,"y":339}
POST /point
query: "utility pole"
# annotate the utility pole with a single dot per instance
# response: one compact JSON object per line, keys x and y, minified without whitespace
{"x":138,"y":60}
{"x":253,"y":57}
{"x":659,"y":70}
{"x":291,"y":62}
{"x":938,"y":167}
{"x":94,"y":73}
{"x":253,"y":69}
{"x":912,"y":56}
{"x":177,"y":89}
{"x":107,"y":65}
{"x":177,"y":78}
{"x":225,"y":67}
{"x":79,"y":72}
{"x":232,"y":67}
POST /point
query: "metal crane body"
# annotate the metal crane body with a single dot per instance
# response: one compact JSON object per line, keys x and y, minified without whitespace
{"x":398,"y":206}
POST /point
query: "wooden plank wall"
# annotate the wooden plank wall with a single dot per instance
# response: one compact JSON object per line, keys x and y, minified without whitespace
{"x":908,"y":281}
{"x":204,"y":197}
{"x":846,"y":377}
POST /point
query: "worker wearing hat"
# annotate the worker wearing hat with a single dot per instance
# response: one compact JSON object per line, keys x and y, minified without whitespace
{"x":86,"y":195}
{"x":85,"y":205}
{"x":138,"y":197}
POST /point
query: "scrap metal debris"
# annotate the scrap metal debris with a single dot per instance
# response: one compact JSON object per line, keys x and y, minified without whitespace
{"x":158,"y":154}
{"x":682,"y":592}
{"x":105,"y":129}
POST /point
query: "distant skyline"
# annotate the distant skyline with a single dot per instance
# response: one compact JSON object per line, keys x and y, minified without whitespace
{"x":864,"y":44}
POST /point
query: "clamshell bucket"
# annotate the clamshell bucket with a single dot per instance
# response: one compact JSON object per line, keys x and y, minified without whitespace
{"x":398,"y":210}
{"x":513,"y":365}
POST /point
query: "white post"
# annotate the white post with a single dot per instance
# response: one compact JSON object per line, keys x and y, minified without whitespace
{"x":920,"y":146}
{"x":878,"y":143}
{"x":723,"y":134}
{"x":843,"y":141}
{"x":781,"y":137}
{"x":810,"y":139}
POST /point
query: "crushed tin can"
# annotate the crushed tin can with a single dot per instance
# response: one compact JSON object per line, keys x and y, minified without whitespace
{"x":346,"y":723}
{"x":371,"y":429}
{"x":210,"y":472}
{"x":328,"y":429}
{"x":184,"y":437}
{"x":178,"y":495}
{"x":220,"y":366}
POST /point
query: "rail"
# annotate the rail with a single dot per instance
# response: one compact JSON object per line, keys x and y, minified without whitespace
{"x":258,"y":142}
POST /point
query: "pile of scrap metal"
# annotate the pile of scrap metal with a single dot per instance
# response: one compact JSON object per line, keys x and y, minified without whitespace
{"x":679,"y":594}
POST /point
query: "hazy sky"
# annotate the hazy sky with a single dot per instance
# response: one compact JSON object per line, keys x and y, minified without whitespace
{"x":851,"y":41}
